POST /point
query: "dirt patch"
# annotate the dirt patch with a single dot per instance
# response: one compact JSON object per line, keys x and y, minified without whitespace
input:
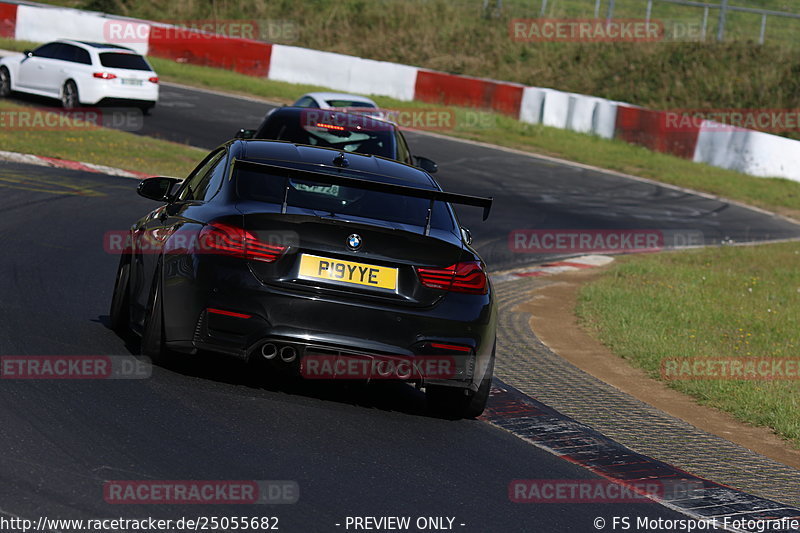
{"x":553,"y":319}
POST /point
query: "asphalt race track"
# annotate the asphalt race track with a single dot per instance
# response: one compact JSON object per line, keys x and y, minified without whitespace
{"x":358,"y":450}
{"x":369,"y":450}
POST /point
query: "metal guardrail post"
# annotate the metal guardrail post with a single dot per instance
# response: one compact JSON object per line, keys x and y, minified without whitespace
{"x":610,"y":14}
{"x":723,"y":11}
{"x":705,"y":22}
{"x":544,"y":8}
{"x":763,"y":29}
{"x":649,"y":11}
{"x":597,"y":9}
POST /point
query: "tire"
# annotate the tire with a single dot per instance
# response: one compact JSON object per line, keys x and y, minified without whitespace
{"x":153,"y":332}
{"x":69,"y":95}
{"x":451,"y":402}
{"x":5,"y":83}
{"x":120,"y":301}
{"x":146,"y":109}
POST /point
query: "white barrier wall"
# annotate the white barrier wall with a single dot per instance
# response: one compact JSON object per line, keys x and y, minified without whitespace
{"x":341,"y":72}
{"x":555,"y":111}
{"x":580,"y":117}
{"x":577,"y":112}
{"x":530,"y":108}
{"x":605,"y":119}
{"x":42,"y":24}
{"x":752,"y":152}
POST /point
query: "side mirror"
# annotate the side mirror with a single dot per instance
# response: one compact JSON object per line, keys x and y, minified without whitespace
{"x":245,"y":134}
{"x":466,"y":235}
{"x":426,"y":164}
{"x":28,"y":53}
{"x":157,"y":188}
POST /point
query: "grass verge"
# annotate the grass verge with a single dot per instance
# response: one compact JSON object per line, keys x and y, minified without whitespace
{"x":94,"y":145}
{"x":721,"y":303}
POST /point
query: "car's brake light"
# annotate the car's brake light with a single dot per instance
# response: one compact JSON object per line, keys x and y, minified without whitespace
{"x":467,"y":277}
{"x":153,"y":79}
{"x":104,"y":75}
{"x":221,"y":238}
{"x":330,"y":126}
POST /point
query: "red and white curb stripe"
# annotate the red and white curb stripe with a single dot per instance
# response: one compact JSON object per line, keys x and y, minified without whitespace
{"x":43,"y":161}
{"x":556,"y":267}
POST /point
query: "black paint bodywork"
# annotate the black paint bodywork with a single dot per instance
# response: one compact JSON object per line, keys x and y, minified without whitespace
{"x":308,"y":314}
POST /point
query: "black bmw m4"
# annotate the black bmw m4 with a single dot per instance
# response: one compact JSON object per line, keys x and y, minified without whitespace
{"x":332,"y":264}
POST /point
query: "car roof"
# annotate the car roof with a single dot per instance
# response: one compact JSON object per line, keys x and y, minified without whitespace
{"x":339,"y":96}
{"x":354,"y":116}
{"x":98,"y":46}
{"x":318,"y":159}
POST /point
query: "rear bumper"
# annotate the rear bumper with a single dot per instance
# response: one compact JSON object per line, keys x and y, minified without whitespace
{"x":316,"y":324}
{"x":94,"y":91}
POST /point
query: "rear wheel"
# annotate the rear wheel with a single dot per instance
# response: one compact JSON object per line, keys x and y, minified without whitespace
{"x":69,"y":95}
{"x":452,"y":402}
{"x":153,"y":332}
{"x":120,"y":311}
{"x":5,"y":82}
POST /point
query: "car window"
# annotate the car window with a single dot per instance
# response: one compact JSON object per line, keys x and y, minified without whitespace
{"x":403,"y":153}
{"x":124,"y":61}
{"x":351,"y":138}
{"x":198,"y":184}
{"x":349,"y":103}
{"x":306,"y":101}
{"x":50,"y":51}
{"x":74,"y":54}
{"x":350,"y":201}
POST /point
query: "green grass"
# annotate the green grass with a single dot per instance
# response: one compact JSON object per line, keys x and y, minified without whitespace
{"x":726,"y":302}
{"x":99,"y":145}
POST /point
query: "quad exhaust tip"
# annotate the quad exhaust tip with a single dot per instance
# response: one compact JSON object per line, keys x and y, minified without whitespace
{"x":288,"y":354}
{"x":269,"y":351}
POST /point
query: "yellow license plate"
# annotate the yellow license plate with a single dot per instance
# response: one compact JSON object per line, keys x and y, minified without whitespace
{"x":312,"y":266}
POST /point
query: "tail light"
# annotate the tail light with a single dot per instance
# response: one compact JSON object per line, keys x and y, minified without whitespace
{"x":153,"y":79}
{"x":104,"y":75}
{"x":466,"y":277}
{"x":225,"y":239}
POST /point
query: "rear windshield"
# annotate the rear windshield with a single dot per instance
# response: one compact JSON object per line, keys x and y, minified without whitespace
{"x":371,"y":142}
{"x":341,"y":200}
{"x":125,"y":61}
{"x":349,"y":103}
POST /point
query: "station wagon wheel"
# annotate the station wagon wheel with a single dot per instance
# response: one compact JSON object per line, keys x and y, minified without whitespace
{"x":69,"y":95}
{"x":5,"y":82}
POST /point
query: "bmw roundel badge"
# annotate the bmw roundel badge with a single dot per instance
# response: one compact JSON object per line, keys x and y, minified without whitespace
{"x":354,"y":241}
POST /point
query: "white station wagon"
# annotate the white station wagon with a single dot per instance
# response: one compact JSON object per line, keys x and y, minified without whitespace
{"x":80,"y":72}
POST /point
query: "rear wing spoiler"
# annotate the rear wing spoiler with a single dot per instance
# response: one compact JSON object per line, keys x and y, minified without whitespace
{"x":347,"y":181}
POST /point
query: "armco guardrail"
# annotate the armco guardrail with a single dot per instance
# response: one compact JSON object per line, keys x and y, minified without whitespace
{"x":751,"y":152}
